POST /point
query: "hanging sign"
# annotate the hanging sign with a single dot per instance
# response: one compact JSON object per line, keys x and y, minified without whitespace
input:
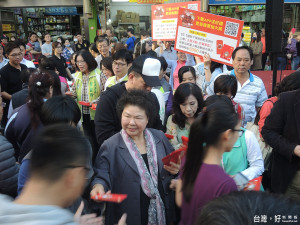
{"x":199,"y":33}
{"x":164,"y":19}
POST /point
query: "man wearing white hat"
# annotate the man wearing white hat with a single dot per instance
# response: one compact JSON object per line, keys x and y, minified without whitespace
{"x":142,"y":75}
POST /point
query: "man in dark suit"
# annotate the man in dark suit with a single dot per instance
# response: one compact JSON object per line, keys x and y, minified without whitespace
{"x":282,"y":132}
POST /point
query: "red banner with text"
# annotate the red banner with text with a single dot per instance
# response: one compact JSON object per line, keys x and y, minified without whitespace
{"x":199,"y":33}
{"x":164,"y":19}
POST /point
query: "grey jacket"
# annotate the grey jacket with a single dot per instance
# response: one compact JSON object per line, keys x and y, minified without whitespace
{"x":8,"y":168}
{"x":116,"y":170}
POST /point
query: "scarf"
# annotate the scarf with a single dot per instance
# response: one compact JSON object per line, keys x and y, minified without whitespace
{"x":149,"y":180}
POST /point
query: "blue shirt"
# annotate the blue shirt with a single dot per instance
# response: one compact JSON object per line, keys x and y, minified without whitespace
{"x":4,"y":62}
{"x":23,"y":175}
{"x":130,"y":42}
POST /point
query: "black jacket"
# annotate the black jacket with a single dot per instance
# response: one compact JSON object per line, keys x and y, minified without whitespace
{"x":107,"y":122}
{"x":8,"y":168}
{"x":19,"y":98}
{"x":282,"y":132}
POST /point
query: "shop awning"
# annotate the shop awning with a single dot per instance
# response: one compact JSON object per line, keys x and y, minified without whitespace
{"x":39,"y":3}
{"x":243,"y":2}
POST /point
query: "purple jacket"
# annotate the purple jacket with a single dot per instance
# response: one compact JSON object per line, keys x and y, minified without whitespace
{"x":291,"y":48}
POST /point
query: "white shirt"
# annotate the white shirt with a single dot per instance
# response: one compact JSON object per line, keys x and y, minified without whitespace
{"x":254,"y":157}
{"x":28,"y":63}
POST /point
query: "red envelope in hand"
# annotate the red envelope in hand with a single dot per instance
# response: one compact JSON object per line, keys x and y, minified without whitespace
{"x":84,"y":103}
{"x":293,"y":30}
{"x":185,"y":140}
{"x":254,"y":184}
{"x":169,"y":136}
{"x":174,"y":156}
{"x":116,"y":198}
{"x":94,"y":106}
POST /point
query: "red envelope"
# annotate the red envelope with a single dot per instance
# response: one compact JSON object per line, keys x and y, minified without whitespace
{"x":169,"y":136}
{"x":293,"y":30}
{"x":84,"y":103}
{"x":254,"y":184}
{"x":174,"y":156}
{"x":219,"y":46}
{"x":116,"y":198}
{"x":185,"y":140}
{"x":227,"y":52}
{"x":94,"y":106}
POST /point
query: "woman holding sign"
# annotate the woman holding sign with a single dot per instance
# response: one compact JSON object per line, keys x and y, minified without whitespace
{"x":130,"y":162}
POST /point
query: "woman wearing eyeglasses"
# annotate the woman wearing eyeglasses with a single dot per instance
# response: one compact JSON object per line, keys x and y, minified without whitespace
{"x":87,"y":88}
{"x":60,"y":62}
{"x":245,"y":156}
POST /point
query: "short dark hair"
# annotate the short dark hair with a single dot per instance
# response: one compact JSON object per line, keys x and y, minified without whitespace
{"x":163,"y":63}
{"x":289,"y":83}
{"x":181,"y":94}
{"x":226,"y":84}
{"x":21,"y":43}
{"x":138,"y":98}
{"x":145,"y":33}
{"x":46,"y":63}
{"x":60,"y":109}
{"x":241,"y":207}
{"x":10,"y":46}
{"x":25,"y":74}
{"x":51,"y":156}
{"x":94,"y":48}
{"x":103,"y":39}
{"x":130,"y":30}
{"x":88,"y":58}
{"x":32,"y":34}
{"x":185,"y":69}
{"x":243,"y":47}
{"x":123,"y":54}
{"x":107,"y":63}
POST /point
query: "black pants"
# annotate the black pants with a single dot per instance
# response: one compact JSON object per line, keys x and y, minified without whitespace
{"x":264,"y":60}
{"x":89,"y":131}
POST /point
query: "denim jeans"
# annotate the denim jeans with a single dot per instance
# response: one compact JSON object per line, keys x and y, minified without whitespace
{"x":281,"y":63}
{"x":295,"y":62}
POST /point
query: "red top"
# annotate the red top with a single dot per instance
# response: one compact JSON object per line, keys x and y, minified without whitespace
{"x":263,"y":40}
{"x":265,"y":112}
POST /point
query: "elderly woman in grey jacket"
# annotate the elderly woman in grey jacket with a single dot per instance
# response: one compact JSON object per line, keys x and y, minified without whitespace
{"x":130,"y":162}
{"x":8,"y":167}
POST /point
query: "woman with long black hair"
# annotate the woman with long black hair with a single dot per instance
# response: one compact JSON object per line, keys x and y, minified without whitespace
{"x":202,"y":178}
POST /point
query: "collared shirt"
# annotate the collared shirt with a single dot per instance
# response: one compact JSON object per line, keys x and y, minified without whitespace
{"x":103,"y":80}
{"x":28,"y":63}
{"x":250,"y":95}
{"x":113,"y":80}
{"x":4,"y":62}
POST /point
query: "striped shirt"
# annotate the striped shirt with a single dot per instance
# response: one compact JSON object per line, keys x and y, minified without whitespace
{"x":251,"y":95}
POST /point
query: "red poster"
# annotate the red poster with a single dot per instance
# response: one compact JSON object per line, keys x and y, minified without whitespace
{"x":199,"y":33}
{"x":164,"y":19}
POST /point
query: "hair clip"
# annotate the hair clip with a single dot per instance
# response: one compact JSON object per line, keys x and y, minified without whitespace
{"x":38,"y":83}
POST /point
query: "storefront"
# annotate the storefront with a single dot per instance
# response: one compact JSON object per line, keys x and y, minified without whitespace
{"x":252,"y":12}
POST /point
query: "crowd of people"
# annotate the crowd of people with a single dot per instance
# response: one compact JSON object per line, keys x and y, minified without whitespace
{"x":93,"y":120}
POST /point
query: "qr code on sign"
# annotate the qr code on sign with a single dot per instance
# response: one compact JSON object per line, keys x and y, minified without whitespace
{"x":231,"y":29}
{"x":193,"y":6}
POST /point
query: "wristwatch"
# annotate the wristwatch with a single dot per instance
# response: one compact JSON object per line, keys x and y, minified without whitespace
{"x":206,"y":67}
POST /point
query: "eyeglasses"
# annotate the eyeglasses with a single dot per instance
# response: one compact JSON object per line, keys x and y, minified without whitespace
{"x":118,"y":64}
{"x":241,"y":131}
{"x":84,"y":167}
{"x":80,"y":62}
{"x":59,"y":47}
{"x":102,"y":46}
{"x":16,"y":55}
